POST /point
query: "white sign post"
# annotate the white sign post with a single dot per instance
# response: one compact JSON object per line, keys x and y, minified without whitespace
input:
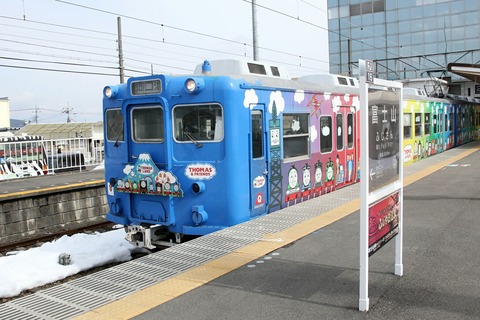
{"x":381,"y":171}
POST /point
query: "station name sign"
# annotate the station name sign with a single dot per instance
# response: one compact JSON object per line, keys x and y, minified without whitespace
{"x":384,"y":139}
{"x":381,"y":171}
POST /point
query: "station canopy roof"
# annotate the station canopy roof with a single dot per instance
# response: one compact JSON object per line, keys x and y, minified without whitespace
{"x":62,"y":130}
{"x":466,"y":70}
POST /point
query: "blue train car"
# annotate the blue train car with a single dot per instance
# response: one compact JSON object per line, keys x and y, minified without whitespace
{"x":192,"y":154}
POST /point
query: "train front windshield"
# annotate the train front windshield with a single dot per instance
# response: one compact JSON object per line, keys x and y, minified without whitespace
{"x":147,"y":124}
{"x":114,"y":125}
{"x":198,"y":123}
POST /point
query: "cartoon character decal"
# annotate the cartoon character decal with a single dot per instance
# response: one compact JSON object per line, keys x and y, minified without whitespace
{"x":350,"y":166}
{"x":306,"y":177}
{"x":293,"y":187}
{"x":329,"y":175}
{"x":318,"y":175}
{"x":274,"y":137}
{"x":144,"y":177}
{"x":330,"y":171}
{"x":306,"y":183}
{"x":314,"y":104}
{"x":340,"y":170}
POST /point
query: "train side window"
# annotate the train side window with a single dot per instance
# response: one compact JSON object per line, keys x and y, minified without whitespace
{"x":350,"y":130}
{"x":339,"y":119}
{"x":192,"y":123}
{"x":114,"y":125}
{"x":445,"y":122}
{"x":147,"y":124}
{"x":450,"y":121}
{"x":435,"y":124}
{"x":407,"y":125}
{"x":428,"y":119}
{"x":418,"y":125}
{"x":257,"y":134}
{"x":326,"y":143}
{"x":295,"y":135}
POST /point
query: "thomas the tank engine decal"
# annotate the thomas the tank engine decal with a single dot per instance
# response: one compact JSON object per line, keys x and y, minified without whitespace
{"x":144,"y":177}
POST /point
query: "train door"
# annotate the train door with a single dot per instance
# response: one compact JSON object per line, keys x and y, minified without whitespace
{"x":147,"y":132}
{"x":351,"y":146}
{"x":438,"y":129}
{"x":340,"y":161}
{"x":146,"y":155}
{"x":259,"y":178}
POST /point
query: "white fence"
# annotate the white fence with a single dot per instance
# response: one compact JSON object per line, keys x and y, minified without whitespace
{"x":22,"y":157}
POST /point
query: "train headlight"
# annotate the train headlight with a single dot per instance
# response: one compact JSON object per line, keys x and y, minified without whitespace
{"x":110,"y":92}
{"x":198,"y":187}
{"x":194,"y":85}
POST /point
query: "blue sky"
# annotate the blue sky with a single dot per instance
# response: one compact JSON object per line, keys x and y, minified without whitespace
{"x":166,"y":36}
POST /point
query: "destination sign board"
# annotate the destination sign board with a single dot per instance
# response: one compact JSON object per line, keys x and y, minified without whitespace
{"x":381,"y":171}
{"x":384,"y":136}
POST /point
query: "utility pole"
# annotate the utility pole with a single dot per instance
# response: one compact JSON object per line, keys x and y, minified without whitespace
{"x":120,"y":51}
{"x":254,"y":27}
{"x":68,"y":111}
{"x":36,"y":114}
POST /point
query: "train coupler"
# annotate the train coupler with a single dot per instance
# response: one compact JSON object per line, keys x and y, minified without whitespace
{"x":146,"y":237}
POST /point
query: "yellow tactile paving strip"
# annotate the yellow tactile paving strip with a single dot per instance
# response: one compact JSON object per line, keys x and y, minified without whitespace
{"x":144,"y":300}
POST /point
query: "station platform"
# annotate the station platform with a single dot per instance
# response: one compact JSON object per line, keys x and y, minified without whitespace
{"x":302,"y":262}
{"x":31,"y":186}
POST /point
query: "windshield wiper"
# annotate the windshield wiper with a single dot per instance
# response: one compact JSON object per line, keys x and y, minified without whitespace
{"x":120,"y":135}
{"x":191,"y":138}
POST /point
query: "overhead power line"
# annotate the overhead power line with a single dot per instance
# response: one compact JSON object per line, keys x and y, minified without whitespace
{"x":83,"y":45}
{"x":51,"y":31}
{"x":299,"y":57}
{"x":57,"y":48}
{"x":189,"y":31}
{"x":41,"y":54}
{"x":57,"y":62}
{"x":59,"y":70}
{"x":60,"y":26}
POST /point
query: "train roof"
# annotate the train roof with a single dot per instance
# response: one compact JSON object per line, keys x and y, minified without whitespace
{"x":463,"y":98}
{"x":275,"y":76}
{"x":434,"y":87}
{"x":414,"y":92}
{"x":332,"y":79}
{"x":243,"y":67}
{"x":420,"y":94}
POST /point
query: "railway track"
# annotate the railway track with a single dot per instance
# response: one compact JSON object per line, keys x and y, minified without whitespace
{"x":37,"y":241}
{"x":33,"y":242}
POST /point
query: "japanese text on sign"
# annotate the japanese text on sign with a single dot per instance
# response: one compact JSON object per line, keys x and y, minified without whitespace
{"x":384,"y":137}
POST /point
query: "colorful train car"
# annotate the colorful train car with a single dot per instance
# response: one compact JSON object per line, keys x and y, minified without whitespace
{"x":193,"y":154}
{"x":427,"y":125}
{"x":433,"y":125}
{"x":466,"y":115}
{"x":189,"y":155}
